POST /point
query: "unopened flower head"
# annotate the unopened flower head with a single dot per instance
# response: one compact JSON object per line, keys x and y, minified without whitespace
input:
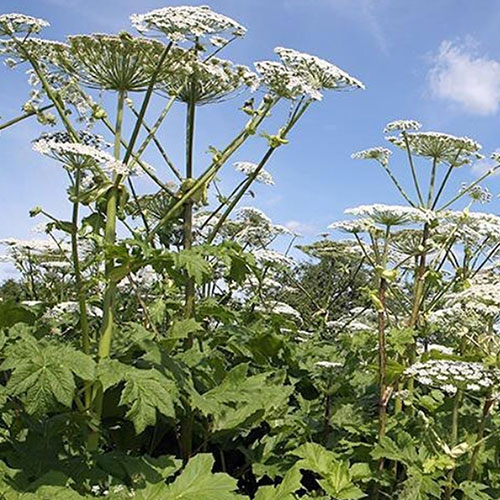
{"x":120,"y":62}
{"x":402,"y":125}
{"x":320,"y":74}
{"x":379,"y":154}
{"x":13,"y":23}
{"x":204,"y":82}
{"x":443,"y":148}
{"x":248,"y":168}
{"x":477,"y":193}
{"x":188,"y":23}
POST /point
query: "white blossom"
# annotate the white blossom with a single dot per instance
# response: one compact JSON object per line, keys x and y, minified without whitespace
{"x":379,"y":154}
{"x":20,"y":23}
{"x":187,"y":23}
{"x":443,"y":148}
{"x":248,"y":168}
{"x":391,"y":215}
{"x":465,"y":375}
{"x":402,"y":125}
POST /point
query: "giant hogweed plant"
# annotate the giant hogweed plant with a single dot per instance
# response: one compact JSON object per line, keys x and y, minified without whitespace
{"x":152,"y":359}
{"x":434,"y":312}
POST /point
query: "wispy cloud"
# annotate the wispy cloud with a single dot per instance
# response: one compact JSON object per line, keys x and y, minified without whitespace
{"x":461,"y":76}
{"x":302,"y":228}
{"x":365,"y":12}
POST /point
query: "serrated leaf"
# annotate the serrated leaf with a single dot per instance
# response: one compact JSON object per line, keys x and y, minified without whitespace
{"x":285,"y":490}
{"x":198,"y":482}
{"x":145,"y":393}
{"x":180,"y":329}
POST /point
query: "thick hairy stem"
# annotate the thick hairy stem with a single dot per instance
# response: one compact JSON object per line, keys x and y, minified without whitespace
{"x":188,"y":206}
{"x":453,"y":440}
{"x":488,"y":403}
{"x":382,"y":364}
{"x":80,"y":290}
{"x":110,"y":291}
{"x":110,"y":238}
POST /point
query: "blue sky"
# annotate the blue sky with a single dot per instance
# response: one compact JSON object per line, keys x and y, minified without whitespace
{"x":434,"y":61}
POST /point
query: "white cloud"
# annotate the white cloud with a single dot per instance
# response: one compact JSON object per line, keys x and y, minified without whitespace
{"x":301,"y":228}
{"x":461,"y":76}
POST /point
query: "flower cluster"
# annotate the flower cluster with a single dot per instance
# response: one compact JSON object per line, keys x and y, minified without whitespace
{"x":272,"y":257}
{"x":379,"y":154}
{"x":391,"y":215}
{"x":402,"y":125}
{"x":84,"y":154}
{"x":353,"y":227}
{"x":248,"y":168}
{"x":320,"y":74}
{"x":443,"y":148}
{"x":204,"y":82}
{"x":119,"y":62}
{"x":452,"y":375}
{"x":188,"y":23}
{"x":13,"y":23}
{"x":303,"y":75}
{"x":477,"y":193}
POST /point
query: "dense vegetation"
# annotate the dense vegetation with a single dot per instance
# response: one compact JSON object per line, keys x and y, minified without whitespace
{"x":156,"y":345}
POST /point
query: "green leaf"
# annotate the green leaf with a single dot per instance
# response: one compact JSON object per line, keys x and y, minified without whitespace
{"x":180,"y":329}
{"x":12,"y":313}
{"x":338,"y":483}
{"x":285,"y":490}
{"x":44,"y":374}
{"x":474,"y":491}
{"x":315,"y":458}
{"x":194,"y":264}
{"x":198,"y":482}
{"x":146,"y":392}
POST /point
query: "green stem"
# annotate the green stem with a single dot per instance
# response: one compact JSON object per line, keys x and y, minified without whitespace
{"x":188,"y":206}
{"x":20,"y":118}
{"x":251,"y":178}
{"x":80,"y":290}
{"x":110,"y":291}
{"x":491,"y":171}
{"x":413,"y":171}
{"x":453,"y":440}
{"x":218,"y":163}
{"x":432,"y":183}
{"x":398,"y":185}
{"x":488,"y":403}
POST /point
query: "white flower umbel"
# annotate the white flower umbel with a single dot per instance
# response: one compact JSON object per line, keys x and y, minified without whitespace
{"x":320,"y":74}
{"x":120,"y":62}
{"x":391,"y":215}
{"x":84,"y":154}
{"x":402,"y":125}
{"x":188,"y":23}
{"x":353,"y":226}
{"x":443,"y":148}
{"x":329,"y":365}
{"x":13,"y":23}
{"x":272,"y":257}
{"x":284,"y":82}
{"x":452,"y":375}
{"x":379,"y":154}
{"x":205,"y":82}
{"x":248,"y":168}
